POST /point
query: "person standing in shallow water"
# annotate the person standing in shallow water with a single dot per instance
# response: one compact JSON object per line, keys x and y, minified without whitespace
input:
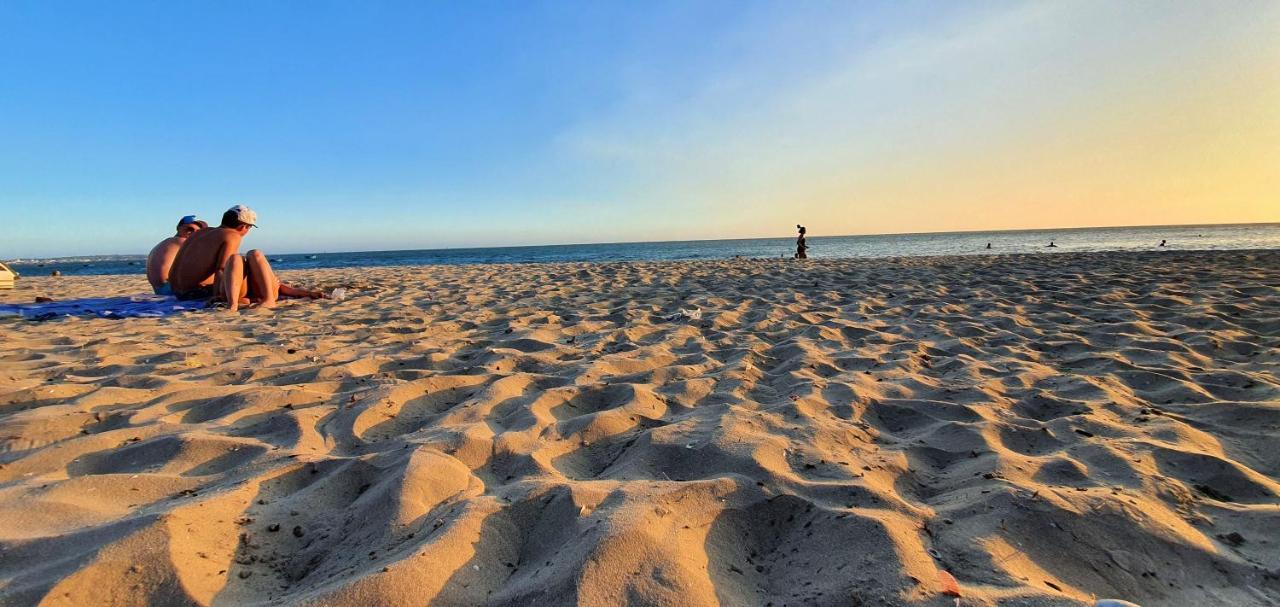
{"x":801,"y":247}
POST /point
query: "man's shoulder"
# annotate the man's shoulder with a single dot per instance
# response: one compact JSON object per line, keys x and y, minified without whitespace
{"x":170,"y":241}
{"x":215,"y":235}
{"x":226,"y":235}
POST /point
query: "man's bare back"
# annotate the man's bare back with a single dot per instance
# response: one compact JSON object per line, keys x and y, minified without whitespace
{"x":160,"y":259}
{"x":202,"y":258}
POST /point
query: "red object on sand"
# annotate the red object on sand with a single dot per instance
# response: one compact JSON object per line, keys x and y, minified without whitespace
{"x":950,"y":586}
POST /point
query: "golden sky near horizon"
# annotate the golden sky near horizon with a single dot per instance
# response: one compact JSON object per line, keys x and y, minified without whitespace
{"x":1039,"y":116}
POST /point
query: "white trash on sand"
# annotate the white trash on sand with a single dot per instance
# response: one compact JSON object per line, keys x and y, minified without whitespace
{"x":693,"y":314}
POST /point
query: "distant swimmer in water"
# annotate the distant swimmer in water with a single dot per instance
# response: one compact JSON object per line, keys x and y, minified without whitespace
{"x":1162,"y":242}
{"x":1051,"y":245}
{"x":988,"y":245}
{"x":801,"y":247}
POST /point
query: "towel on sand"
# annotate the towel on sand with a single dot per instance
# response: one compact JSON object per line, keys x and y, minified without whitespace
{"x":103,"y":307}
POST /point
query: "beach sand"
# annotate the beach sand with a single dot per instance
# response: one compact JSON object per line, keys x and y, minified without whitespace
{"x":1048,"y":429}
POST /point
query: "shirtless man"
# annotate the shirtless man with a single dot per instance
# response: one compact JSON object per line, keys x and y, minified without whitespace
{"x":160,"y":259}
{"x":208,"y":266}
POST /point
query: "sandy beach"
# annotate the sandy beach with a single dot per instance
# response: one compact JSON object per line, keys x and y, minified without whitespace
{"x":1046,"y":429}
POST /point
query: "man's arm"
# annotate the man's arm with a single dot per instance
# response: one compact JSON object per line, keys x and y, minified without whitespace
{"x":230,"y":245}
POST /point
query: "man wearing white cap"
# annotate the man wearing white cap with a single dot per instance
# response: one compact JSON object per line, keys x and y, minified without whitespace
{"x":208,"y":266}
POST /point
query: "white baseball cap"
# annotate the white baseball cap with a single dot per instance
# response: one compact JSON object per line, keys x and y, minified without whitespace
{"x":244,"y":215}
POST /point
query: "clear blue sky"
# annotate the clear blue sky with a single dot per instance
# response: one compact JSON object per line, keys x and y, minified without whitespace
{"x":380,"y":125}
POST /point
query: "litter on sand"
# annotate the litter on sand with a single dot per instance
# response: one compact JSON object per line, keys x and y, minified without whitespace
{"x":694,"y":314}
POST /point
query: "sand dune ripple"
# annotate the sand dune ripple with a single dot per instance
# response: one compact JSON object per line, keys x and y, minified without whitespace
{"x":1047,"y":429}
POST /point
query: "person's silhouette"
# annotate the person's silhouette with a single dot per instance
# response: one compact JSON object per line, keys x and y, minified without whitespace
{"x":801,"y":247}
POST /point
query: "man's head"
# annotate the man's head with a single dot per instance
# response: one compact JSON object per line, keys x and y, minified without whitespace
{"x":189,"y":225}
{"x":240,"y":218}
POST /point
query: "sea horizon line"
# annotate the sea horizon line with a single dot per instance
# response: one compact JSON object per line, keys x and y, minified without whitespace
{"x":653,"y":242}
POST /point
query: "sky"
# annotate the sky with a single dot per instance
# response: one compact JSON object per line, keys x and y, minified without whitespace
{"x":408,"y":125}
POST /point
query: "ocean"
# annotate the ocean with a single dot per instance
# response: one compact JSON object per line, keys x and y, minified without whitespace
{"x":1147,"y":238}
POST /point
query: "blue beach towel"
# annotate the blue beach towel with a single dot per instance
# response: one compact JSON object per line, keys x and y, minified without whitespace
{"x":104,"y":307}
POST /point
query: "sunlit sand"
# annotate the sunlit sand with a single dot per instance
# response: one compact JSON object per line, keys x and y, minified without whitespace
{"x":1045,"y":429}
